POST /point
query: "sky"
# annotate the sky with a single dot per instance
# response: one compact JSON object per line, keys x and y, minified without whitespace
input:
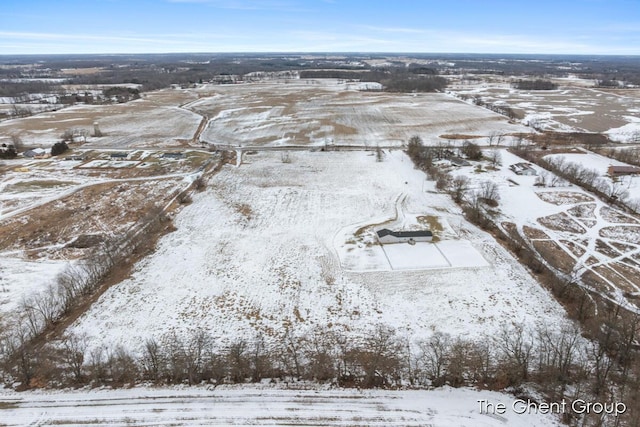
{"x":458,"y":26}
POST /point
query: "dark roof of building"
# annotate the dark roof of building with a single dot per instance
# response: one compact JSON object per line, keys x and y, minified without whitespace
{"x":417,"y":233}
{"x":119,"y":155}
{"x":384,"y":232}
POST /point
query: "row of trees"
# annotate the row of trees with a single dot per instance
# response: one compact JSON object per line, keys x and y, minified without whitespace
{"x":557,"y":360}
{"x":589,"y":179}
{"x":40,"y":312}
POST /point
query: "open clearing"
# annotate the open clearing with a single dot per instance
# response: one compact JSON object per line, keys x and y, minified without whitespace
{"x":333,"y":112}
{"x":156,"y":120}
{"x":263,"y":406}
{"x":258,"y":253}
{"x":572,"y":107}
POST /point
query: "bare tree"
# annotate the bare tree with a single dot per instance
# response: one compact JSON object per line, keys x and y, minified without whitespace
{"x":16,"y":140}
{"x":515,"y":349}
{"x":495,"y":138}
{"x":152,"y":360}
{"x":379,"y":154}
{"x":74,"y":348}
{"x":434,"y":357}
{"x":489,"y":192}
{"x":495,"y":158}
{"x":459,"y":187}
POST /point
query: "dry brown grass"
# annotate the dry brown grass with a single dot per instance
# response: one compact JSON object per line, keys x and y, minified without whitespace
{"x":629,"y":273}
{"x":564,"y":197}
{"x":575,"y":249}
{"x":555,"y":255}
{"x":561,"y":222}
{"x":457,"y":136}
{"x":99,"y":209}
{"x":534,"y":233}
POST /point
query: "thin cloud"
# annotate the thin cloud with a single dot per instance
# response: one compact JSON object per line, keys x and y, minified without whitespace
{"x":241,"y":4}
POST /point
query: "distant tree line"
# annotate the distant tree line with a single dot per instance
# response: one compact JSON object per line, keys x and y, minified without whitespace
{"x":537,"y":84}
{"x":392,"y":80}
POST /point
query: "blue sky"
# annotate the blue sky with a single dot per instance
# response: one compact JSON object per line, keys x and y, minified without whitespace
{"x":474,"y":26}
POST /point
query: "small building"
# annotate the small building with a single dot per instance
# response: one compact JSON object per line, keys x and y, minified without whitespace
{"x":614,"y":171}
{"x":523,"y":169}
{"x":119,"y":156}
{"x":386,"y":236}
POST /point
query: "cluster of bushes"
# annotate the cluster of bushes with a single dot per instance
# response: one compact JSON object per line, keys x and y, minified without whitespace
{"x":59,"y":148}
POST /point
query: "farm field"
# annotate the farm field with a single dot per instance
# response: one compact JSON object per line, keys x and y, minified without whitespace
{"x":259,"y":253}
{"x":319,"y":112}
{"x":572,"y":107}
{"x":253,"y":405}
{"x":156,"y":120}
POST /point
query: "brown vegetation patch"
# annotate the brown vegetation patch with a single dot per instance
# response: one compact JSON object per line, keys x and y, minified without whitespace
{"x":433,"y":223}
{"x":569,"y":138}
{"x":616,"y":216}
{"x":110,"y":206}
{"x":561,"y":222}
{"x":592,"y":261}
{"x":555,"y":255}
{"x":630,"y":273}
{"x":624,"y":233}
{"x":621,"y":247}
{"x":458,"y":136}
{"x":575,"y":248}
{"x":534,"y":233}
{"x":615,"y":276}
{"x":605,"y":249}
{"x":583,"y":211}
{"x":564,"y":197}
{"x":244,"y":210}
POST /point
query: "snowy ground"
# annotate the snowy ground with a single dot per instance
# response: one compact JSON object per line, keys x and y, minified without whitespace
{"x":154,"y":120}
{"x":46,"y":204}
{"x":259,"y":252}
{"x":592,"y":239}
{"x":572,"y":107}
{"x":274,"y":407}
{"x":330,"y":111}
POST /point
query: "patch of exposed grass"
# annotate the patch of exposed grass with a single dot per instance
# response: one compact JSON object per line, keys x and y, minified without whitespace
{"x":37,"y":185}
{"x":434,"y":225}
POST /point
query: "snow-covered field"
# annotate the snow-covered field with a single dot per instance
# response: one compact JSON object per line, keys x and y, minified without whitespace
{"x":572,"y":107}
{"x":328,"y":111}
{"x":154,"y":120}
{"x":260,"y":252}
{"x":266,"y":406}
{"x":593,"y":240}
